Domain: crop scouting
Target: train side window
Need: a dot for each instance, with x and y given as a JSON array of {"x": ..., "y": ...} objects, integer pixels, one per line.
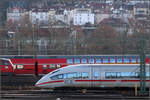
[
  {"x": 44, "y": 66},
  {"x": 119, "y": 60},
  {"x": 65, "y": 76},
  {"x": 112, "y": 60},
  {"x": 77, "y": 61},
  {"x": 69, "y": 61},
  {"x": 58, "y": 66},
  {"x": 98, "y": 61},
  {"x": 126, "y": 60},
  {"x": 52, "y": 66},
  {"x": 111, "y": 75},
  {"x": 147, "y": 74},
  {"x": 138, "y": 60},
  {"x": 91, "y": 60},
  {"x": 133, "y": 60},
  {"x": 95, "y": 74},
  {"x": 105, "y": 60},
  {"x": 85, "y": 75},
  {"x": 83, "y": 60},
  {"x": 79, "y": 75}
]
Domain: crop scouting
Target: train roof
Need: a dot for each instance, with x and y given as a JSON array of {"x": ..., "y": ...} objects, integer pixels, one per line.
[{"x": 65, "y": 56}]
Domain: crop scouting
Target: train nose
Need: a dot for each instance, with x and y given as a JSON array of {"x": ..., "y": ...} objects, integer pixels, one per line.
[{"x": 38, "y": 83}]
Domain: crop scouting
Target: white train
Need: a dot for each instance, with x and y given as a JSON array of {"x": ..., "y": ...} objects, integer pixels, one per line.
[{"x": 94, "y": 75}]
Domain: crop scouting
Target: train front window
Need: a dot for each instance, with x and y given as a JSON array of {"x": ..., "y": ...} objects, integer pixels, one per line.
[
  {"x": 4, "y": 62},
  {"x": 56, "y": 77}
]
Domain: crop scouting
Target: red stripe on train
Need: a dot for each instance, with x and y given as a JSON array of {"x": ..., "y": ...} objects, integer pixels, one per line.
[
  {"x": 109, "y": 80},
  {"x": 59, "y": 81}
]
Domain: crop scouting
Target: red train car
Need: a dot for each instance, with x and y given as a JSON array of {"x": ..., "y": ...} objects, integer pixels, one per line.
[{"x": 29, "y": 64}]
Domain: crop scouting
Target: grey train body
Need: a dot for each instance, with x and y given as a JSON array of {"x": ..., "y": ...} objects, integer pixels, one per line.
[{"x": 94, "y": 75}]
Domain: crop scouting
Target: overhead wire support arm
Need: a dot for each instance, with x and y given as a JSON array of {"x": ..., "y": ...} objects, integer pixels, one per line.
[{"x": 142, "y": 67}]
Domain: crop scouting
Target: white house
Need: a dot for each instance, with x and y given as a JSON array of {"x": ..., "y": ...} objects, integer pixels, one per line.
[
  {"x": 39, "y": 16},
  {"x": 83, "y": 16},
  {"x": 64, "y": 16},
  {"x": 15, "y": 14}
]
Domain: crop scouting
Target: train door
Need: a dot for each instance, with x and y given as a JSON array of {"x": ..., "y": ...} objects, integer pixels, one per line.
[{"x": 95, "y": 77}]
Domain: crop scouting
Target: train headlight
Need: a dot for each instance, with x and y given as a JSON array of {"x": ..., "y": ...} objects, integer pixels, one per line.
[
  {"x": 20, "y": 67},
  {"x": 6, "y": 67}
]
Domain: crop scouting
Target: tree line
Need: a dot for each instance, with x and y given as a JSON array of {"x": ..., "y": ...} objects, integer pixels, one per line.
[{"x": 70, "y": 41}]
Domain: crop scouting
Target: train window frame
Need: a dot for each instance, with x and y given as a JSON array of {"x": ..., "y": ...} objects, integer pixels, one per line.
[
  {"x": 133, "y": 60},
  {"x": 44, "y": 67},
  {"x": 126, "y": 60},
  {"x": 112, "y": 60},
  {"x": 138, "y": 60},
  {"x": 98, "y": 60},
  {"x": 96, "y": 74},
  {"x": 91, "y": 60},
  {"x": 122, "y": 75},
  {"x": 83, "y": 60},
  {"x": 58, "y": 66},
  {"x": 56, "y": 77},
  {"x": 52, "y": 66},
  {"x": 105, "y": 60},
  {"x": 77, "y": 60},
  {"x": 85, "y": 75},
  {"x": 69, "y": 61},
  {"x": 119, "y": 60},
  {"x": 79, "y": 75}
]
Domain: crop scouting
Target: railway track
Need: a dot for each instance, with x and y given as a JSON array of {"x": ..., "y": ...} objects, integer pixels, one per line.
[{"x": 53, "y": 95}]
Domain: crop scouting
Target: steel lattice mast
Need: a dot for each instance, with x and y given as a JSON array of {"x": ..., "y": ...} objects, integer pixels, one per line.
[{"x": 142, "y": 67}]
